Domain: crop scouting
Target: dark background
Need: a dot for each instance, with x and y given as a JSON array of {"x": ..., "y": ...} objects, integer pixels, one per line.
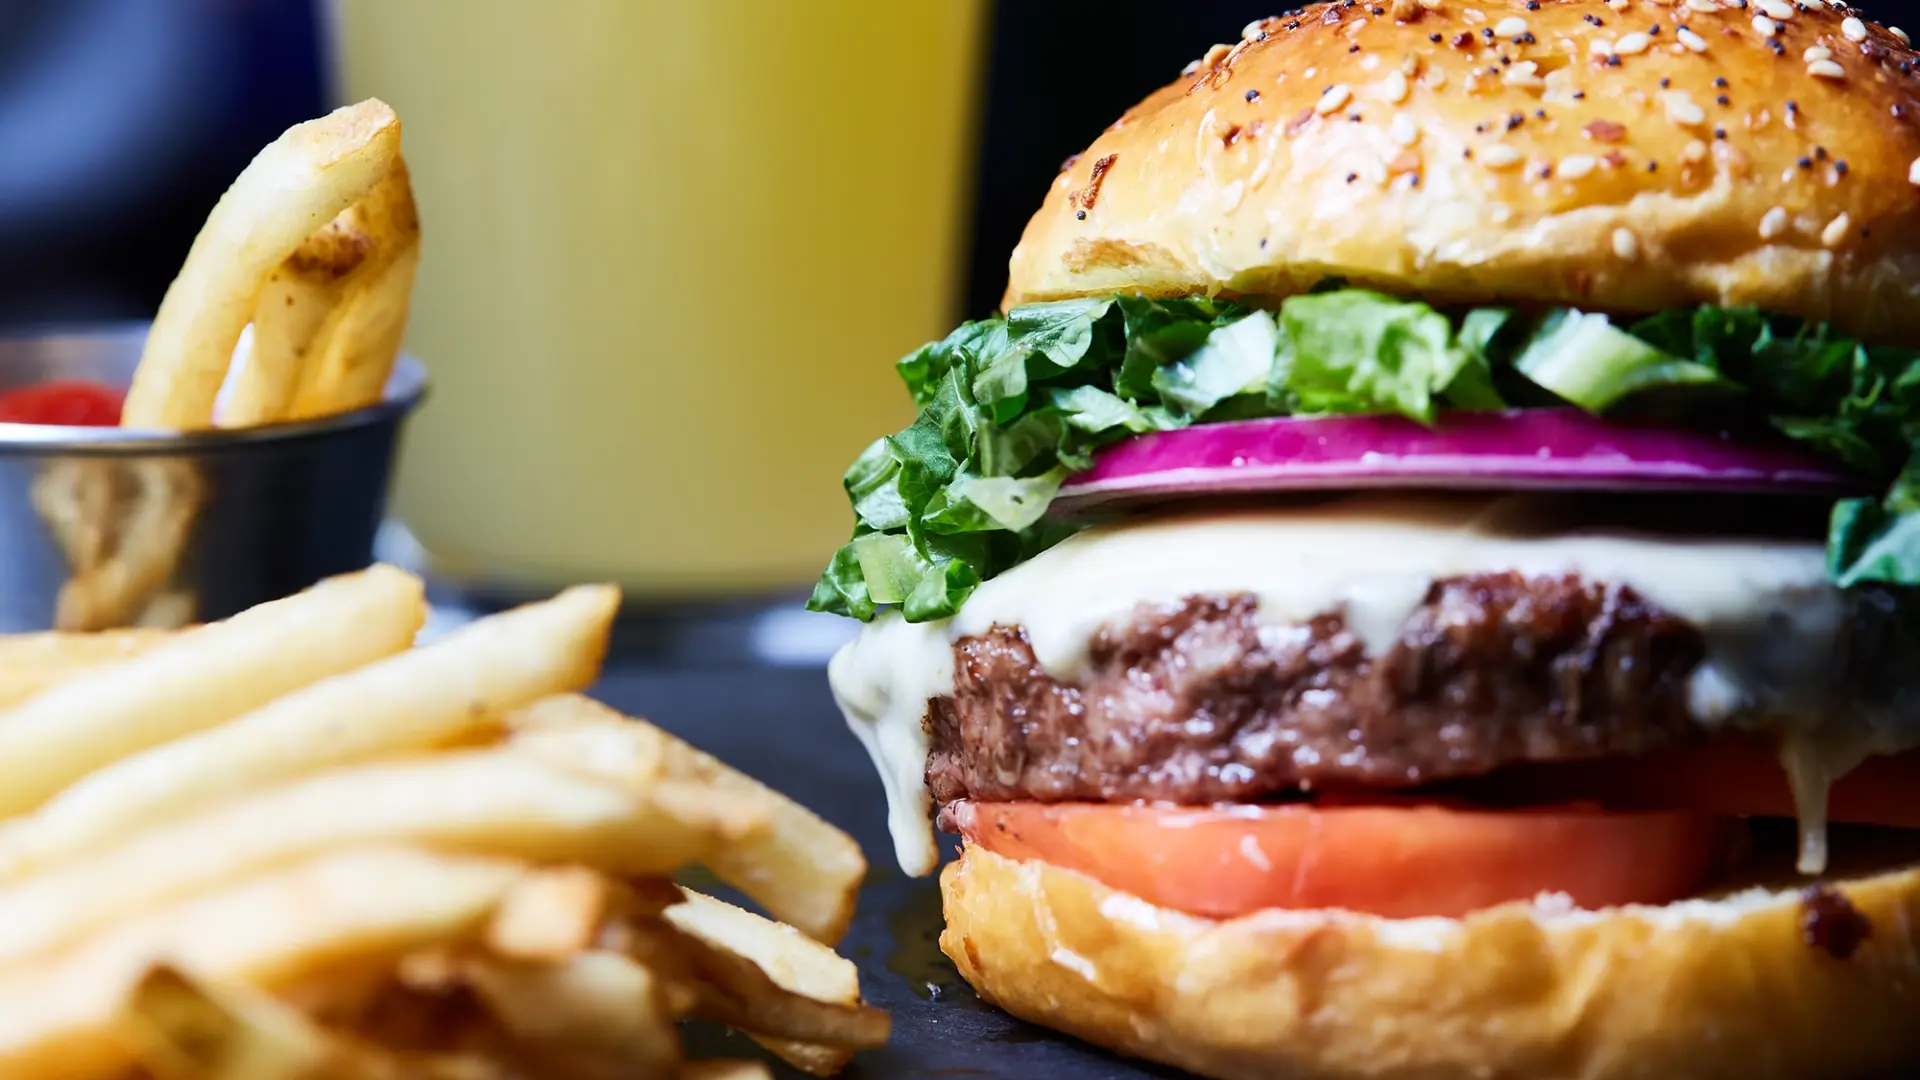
[{"x": 121, "y": 121}]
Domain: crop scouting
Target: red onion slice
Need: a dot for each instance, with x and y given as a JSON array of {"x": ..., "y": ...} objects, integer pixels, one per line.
[{"x": 1521, "y": 449}]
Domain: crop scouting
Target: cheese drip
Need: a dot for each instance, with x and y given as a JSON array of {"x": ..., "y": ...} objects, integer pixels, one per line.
[{"x": 1771, "y": 621}]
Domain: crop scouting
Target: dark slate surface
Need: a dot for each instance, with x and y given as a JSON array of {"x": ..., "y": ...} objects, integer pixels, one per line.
[{"x": 780, "y": 725}]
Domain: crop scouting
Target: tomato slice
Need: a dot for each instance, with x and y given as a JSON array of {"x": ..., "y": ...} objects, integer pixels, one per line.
[
  {"x": 1400, "y": 861},
  {"x": 70, "y": 403}
]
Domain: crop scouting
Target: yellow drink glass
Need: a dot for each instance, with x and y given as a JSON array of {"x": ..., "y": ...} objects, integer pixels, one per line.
[{"x": 669, "y": 251}]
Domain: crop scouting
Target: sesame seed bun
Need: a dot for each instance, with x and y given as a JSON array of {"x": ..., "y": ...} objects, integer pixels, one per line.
[
  {"x": 1702, "y": 989},
  {"x": 1627, "y": 158}
]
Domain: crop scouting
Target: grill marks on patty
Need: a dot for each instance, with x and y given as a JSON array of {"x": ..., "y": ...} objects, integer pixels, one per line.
[{"x": 1198, "y": 702}]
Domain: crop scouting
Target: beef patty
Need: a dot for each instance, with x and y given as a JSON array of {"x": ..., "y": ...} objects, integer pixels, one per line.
[{"x": 1198, "y": 702}]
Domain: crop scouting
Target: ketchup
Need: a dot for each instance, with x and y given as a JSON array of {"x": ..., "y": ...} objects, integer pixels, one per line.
[{"x": 71, "y": 403}]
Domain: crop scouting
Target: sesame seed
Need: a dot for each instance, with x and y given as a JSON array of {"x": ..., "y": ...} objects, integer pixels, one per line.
[
  {"x": 1393, "y": 88},
  {"x": 1816, "y": 52},
  {"x": 1776, "y": 9},
  {"x": 1331, "y": 100},
  {"x": 1692, "y": 40},
  {"x": 1682, "y": 110},
  {"x": 1502, "y": 156},
  {"x": 1575, "y": 166},
  {"x": 1704, "y": 7},
  {"x": 1599, "y": 47},
  {"x": 1617, "y": 5},
  {"x": 1511, "y": 26},
  {"x": 1632, "y": 44},
  {"x": 1402, "y": 130},
  {"x": 1764, "y": 26},
  {"x": 1913, "y": 173},
  {"x": 1901, "y": 34},
  {"x": 1836, "y": 230},
  {"x": 1773, "y": 223},
  {"x": 1826, "y": 69},
  {"x": 1436, "y": 78},
  {"x": 1854, "y": 29},
  {"x": 1625, "y": 244},
  {"x": 1695, "y": 151}
]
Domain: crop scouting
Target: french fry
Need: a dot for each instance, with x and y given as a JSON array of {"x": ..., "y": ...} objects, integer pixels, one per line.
[
  {"x": 593, "y": 1016},
  {"x": 58, "y": 1015},
  {"x": 551, "y": 915},
  {"x": 795, "y": 964},
  {"x": 349, "y": 369},
  {"x": 802, "y": 869},
  {"x": 300, "y": 182},
  {"x": 724, "y": 1070},
  {"x": 33, "y": 663},
  {"x": 485, "y": 802},
  {"x": 201, "y": 678},
  {"x": 413, "y": 700},
  {"x": 303, "y": 299},
  {"x": 182, "y": 1028},
  {"x": 816, "y": 1036},
  {"x": 149, "y": 528}
]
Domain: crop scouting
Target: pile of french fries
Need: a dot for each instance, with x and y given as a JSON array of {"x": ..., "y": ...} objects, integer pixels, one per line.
[
  {"x": 295, "y": 844},
  {"x": 315, "y": 247}
]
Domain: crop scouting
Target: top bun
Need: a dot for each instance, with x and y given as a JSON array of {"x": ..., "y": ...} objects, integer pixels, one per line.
[{"x": 1627, "y": 156}]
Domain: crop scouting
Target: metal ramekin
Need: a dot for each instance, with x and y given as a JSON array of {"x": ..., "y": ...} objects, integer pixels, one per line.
[{"x": 103, "y": 527}]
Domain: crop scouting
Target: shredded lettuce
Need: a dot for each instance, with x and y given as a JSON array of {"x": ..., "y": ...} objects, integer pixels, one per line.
[{"x": 1009, "y": 408}]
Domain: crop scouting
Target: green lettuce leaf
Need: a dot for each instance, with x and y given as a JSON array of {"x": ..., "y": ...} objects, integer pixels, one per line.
[
  {"x": 1010, "y": 408},
  {"x": 1355, "y": 351}
]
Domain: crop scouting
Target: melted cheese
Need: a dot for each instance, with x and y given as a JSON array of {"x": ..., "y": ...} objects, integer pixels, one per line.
[{"x": 1770, "y": 619}]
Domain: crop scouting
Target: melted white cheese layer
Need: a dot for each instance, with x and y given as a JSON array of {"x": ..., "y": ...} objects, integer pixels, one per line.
[{"x": 1768, "y": 615}]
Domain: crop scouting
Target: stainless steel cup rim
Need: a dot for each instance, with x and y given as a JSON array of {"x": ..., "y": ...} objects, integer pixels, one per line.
[{"x": 405, "y": 390}]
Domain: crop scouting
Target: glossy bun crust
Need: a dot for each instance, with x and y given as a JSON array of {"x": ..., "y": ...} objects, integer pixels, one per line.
[
  {"x": 1701, "y": 989},
  {"x": 1627, "y": 158}
]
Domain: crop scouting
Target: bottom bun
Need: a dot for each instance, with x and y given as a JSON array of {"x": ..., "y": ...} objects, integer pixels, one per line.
[{"x": 1700, "y": 988}]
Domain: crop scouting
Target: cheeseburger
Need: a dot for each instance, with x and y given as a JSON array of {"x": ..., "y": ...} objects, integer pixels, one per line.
[{"x": 1419, "y": 579}]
